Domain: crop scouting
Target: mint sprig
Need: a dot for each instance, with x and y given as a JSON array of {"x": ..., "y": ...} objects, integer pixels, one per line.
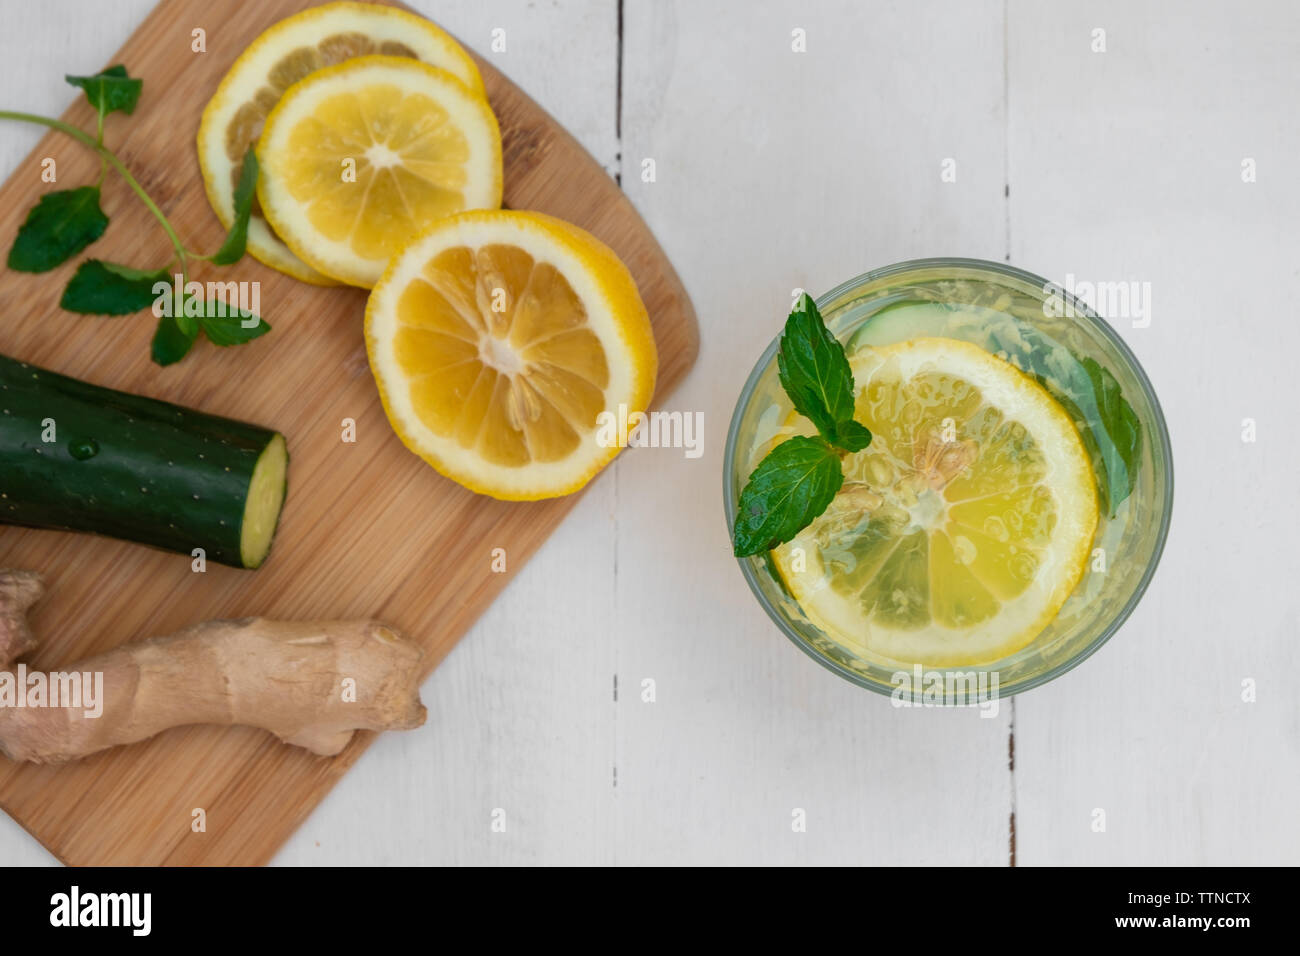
[
  {"x": 798, "y": 479},
  {"x": 64, "y": 222}
]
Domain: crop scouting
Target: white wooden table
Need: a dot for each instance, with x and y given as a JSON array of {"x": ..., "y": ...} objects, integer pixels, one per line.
[{"x": 777, "y": 169}]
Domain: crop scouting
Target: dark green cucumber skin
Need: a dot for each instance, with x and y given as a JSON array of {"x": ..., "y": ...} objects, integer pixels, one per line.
[{"x": 163, "y": 475}]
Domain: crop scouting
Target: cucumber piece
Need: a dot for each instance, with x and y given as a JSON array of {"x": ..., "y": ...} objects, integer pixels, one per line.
[
  {"x": 262, "y": 503},
  {"x": 136, "y": 468},
  {"x": 899, "y": 321}
]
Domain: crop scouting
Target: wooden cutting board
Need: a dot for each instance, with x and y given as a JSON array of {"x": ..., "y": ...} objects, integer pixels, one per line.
[{"x": 368, "y": 530}]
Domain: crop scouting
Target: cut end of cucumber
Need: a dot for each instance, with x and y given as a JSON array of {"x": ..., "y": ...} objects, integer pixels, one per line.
[{"x": 265, "y": 499}]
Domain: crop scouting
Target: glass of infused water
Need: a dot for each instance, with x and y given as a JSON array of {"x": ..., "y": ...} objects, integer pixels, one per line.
[{"x": 1011, "y": 507}]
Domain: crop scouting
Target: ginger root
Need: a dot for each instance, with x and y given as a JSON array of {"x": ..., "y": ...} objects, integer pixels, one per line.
[
  {"x": 19, "y": 590},
  {"x": 310, "y": 684}
]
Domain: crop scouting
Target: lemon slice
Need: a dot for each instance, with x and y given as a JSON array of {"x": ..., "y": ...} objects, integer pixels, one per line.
[
  {"x": 965, "y": 524},
  {"x": 511, "y": 350},
  {"x": 284, "y": 54},
  {"x": 360, "y": 157}
]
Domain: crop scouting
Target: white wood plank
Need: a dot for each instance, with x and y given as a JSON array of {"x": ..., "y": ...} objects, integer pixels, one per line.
[
  {"x": 1127, "y": 165},
  {"x": 777, "y": 169},
  {"x": 43, "y": 42}
]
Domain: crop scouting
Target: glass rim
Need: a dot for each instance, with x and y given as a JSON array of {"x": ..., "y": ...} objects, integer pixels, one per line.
[{"x": 1082, "y": 312}]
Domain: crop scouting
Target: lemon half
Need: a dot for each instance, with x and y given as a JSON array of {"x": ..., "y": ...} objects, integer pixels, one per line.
[
  {"x": 278, "y": 58},
  {"x": 963, "y": 527},
  {"x": 511, "y": 351}
]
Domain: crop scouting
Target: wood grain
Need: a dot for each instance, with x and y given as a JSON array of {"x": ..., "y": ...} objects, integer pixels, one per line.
[{"x": 368, "y": 529}]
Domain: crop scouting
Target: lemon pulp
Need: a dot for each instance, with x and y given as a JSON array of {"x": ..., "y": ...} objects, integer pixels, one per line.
[
  {"x": 412, "y": 165},
  {"x": 516, "y": 384},
  {"x": 503, "y": 344},
  {"x": 359, "y": 158}
]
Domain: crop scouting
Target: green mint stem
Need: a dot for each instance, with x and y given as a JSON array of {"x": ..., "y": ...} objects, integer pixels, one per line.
[
  {"x": 106, "y": 155},
  {"x": 99, "y": 141}
]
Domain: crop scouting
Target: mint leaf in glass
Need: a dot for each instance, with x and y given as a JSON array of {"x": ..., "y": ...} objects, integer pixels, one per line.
[
  {"x": 851, "y": 435},
  {"x": 814, "y": 371},
  {"x": 1124, "y": 428},
  {"x": 789, "y": 488}
]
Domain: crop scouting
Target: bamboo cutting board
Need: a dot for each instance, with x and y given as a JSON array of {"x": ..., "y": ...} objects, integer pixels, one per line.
[{"x": 368, "y": 530}]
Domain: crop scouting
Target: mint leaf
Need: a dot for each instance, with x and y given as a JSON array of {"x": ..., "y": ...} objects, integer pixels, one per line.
[
  {"x": 1110, "y": 428},
  {"x": 106, "y": 288},
  {"x": 226, "y": 325},
  {"x": 851, "y": 435},
  {"x": 1124, "y": 428},
  {"x": 790, "y": 487},
  {"x": 110, "y": 90},
  {"x": 815, "y": 372},
  {"x": 170, "y": 342},
  {"x": 59, "y": 226},
  {"x": 232, "y": 250},
  {"x": 187, "y": 323}
]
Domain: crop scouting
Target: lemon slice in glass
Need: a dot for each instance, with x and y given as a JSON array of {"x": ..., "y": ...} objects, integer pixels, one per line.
[
  {"x": 965, "y": 524},
  {"x": 358, "y": 158},
  {"x": 512, "y": 351}
]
